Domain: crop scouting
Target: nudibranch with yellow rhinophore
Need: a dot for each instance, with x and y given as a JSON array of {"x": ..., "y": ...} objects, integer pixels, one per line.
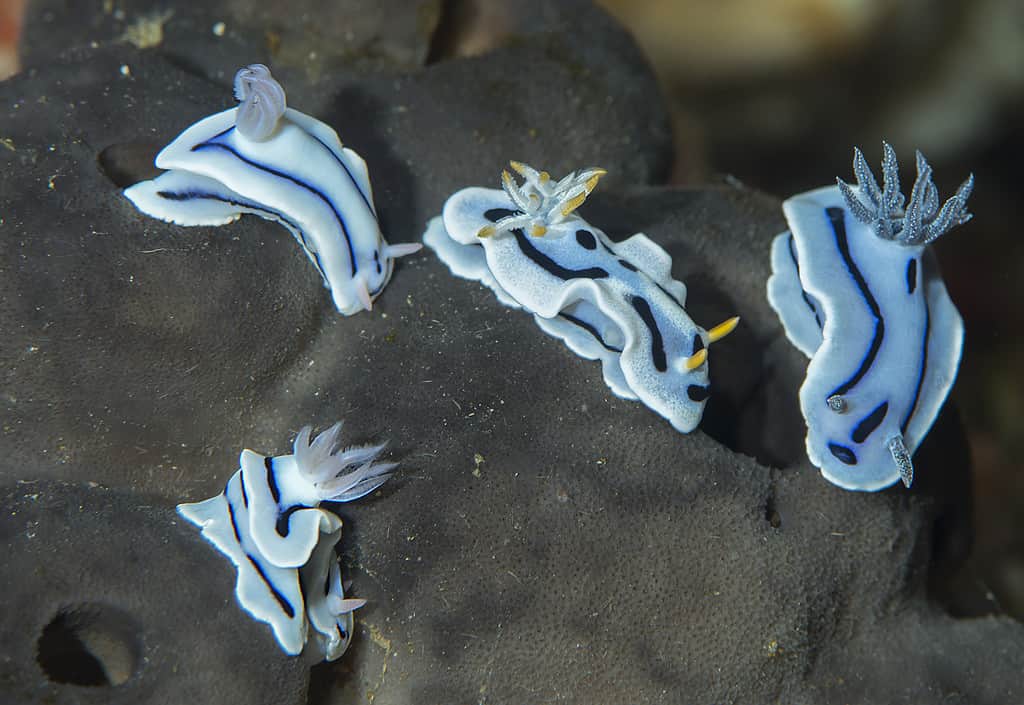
[
  {"x": 268, "y": 522},
  {"x": 860, "y": 294},
  {"x": 611, "y": 301},
  {"x": 264, "y": 158}
]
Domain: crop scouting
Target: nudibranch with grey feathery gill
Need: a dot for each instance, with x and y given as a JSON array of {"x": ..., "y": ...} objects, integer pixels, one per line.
[
  {"x": 268, "y": 522},
  {"x": 611, "y": 301},
  {"x": 264, "y": 158},
  {"x": 859, "y": 292}
]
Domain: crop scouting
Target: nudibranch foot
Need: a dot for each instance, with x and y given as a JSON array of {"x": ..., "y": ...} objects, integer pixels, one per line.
[
  {"x": 611, "y": 301},
  {"x": 268, "y": 522},
  {"x": 859, "y": 293},
  {"x": 272, "y": 161}
]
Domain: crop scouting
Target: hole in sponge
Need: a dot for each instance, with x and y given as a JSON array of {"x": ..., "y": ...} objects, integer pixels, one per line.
[
  {"x": 90, "y": 645},
  {"x": 128, "y": 163}
]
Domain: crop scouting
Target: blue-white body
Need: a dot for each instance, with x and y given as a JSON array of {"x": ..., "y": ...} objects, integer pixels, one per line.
[
  {"x": 295, "y": 172},
  {"x": 614, "y": 302},
  {"x": 268, "y": 523},
  {"x": 883, "y": 336}
]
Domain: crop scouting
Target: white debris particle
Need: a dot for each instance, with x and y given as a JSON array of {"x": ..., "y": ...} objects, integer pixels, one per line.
[{"x": 148, "y": 30}]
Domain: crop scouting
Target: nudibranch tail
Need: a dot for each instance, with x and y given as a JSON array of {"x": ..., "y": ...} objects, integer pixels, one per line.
[
  {"x": 320, "y": 463},
  {"x": 921, "y": 221},
  {"x": 363, "y": 292},
  {"x": 402, "y": 249},
  {"x": 341, "y": 605},
  {"x": 262, "y": 102}
]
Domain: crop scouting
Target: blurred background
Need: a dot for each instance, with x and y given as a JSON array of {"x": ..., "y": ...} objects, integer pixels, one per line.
[
  {"x": 775, "y": 93},
  {"x": 10, "y": 23}
]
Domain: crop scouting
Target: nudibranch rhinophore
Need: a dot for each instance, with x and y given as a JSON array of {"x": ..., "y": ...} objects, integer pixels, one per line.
[
  {"x": 611, "y": 301},
  {"x": 269, "y": 523},
  {"x": 860, "y": 294},
  {"x": 275, "y": 162}
]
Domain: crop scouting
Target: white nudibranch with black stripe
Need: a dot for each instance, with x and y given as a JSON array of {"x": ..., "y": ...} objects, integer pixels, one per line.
[
  {"x": 858, "y": 293},
  {"x": 282, "y": 165},
  {"x": 269, "y": 523},
  {"x": 611, "y": 301}
]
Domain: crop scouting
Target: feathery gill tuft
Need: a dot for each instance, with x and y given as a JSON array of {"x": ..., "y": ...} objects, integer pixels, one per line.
[
  {"x": 320, "y": 463},
  {"x": 921, "y": 221},
  {"x": 542, "y": 202}
]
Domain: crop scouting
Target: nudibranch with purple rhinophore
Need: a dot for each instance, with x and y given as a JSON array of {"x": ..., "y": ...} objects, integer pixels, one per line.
[
  {"x": 860, "y": 294},
  {"x": 264, "y": 158},
  {"x": 611, "y": 301},
  {"x": 268, "y": 522}
]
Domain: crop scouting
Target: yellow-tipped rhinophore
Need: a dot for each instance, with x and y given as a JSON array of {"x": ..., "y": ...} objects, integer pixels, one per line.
[
  {"x": 723, "y": 329},
  {"x": 519, "y": 167},
  {"x": 545, "y": 177},
  {"x": 538, "y": 230},
  {"x": 695, "y": 361},
  {"x": 486, "y": 231},
  {"x": 506, "y": 178}
]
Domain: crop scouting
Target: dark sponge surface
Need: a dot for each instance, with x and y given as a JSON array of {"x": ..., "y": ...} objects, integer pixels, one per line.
[
  {"x": 109, "y": 598},
  {"x": 215, "y": 37},
  {"x": 543, "y": 540},
  {"x": 124, "y": 331}
]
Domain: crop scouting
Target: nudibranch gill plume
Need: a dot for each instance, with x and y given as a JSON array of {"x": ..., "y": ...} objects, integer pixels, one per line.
[
  {"x": 611, "y": 301},
  {"x": 275, "y": 162},
  {"x": 268, "y": 522},
  {"x": 860, "y": 294}
]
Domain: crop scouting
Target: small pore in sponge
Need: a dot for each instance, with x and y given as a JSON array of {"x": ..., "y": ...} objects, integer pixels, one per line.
[
  {"x": 89, "y": 645},
  {"x": 128, "y": 163}
]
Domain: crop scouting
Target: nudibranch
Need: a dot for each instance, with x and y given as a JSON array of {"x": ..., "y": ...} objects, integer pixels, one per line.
[
  {"x": 264, "y": 158},
  {"x": 611, "y": 301},
  {"x": 860, "y": 294},
  {"x": 268, "y": 522}
]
